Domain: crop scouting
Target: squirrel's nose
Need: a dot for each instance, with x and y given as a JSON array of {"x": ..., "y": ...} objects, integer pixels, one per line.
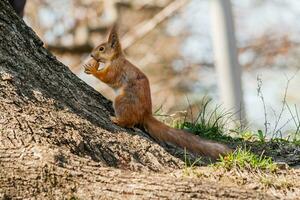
[{"x": 93, "y": 56}]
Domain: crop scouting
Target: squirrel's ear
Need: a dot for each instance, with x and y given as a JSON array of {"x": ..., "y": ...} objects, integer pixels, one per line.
[{"x": 113, "y": 38}]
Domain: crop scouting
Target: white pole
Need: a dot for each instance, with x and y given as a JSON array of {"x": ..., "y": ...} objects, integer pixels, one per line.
[{"x": 226, "y": 60}]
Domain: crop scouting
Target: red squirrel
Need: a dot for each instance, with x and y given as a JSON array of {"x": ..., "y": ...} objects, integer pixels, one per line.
[{"x": 133, "y": 105}]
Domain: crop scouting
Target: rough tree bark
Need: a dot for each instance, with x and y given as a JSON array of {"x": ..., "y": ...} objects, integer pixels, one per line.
[{"x": 56, "y": 140}]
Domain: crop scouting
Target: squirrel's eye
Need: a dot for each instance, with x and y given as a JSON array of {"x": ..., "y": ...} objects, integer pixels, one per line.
[{"x": 101, "y": 49}]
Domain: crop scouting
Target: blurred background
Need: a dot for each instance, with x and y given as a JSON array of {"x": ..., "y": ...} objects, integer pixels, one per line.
[{"x": 171, "y": 41}]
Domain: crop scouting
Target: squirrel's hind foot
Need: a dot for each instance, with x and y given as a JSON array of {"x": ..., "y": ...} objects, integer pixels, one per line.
[{"x": 121, "y": 123}]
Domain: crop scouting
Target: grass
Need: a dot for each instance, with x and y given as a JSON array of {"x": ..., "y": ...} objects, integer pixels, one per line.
[
  {"x": 209, "y": 124},
  {"x": 212, "y": 132},
  {"x": 296, "y": 142},
  {"x": 244, "y": 159},
  {"x": 189, "y": 165},
  {"x": 271, "y": 181},
  {"x": 212, "y": 125},
  {"x": 252, "y": 163}
]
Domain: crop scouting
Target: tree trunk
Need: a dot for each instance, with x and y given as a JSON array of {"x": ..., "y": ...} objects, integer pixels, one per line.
[{"x": 56, "y": 139}]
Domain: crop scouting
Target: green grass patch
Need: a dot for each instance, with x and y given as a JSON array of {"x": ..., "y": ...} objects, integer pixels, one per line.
[
  {"x": 244, "y": 159},
  {"x": 210, "y": 123},
  {"x": 296, "y": 142},
  {"x": 208, "y": 131}
]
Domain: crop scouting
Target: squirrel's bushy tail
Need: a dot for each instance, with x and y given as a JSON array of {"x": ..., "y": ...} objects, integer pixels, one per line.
[{"x": 183, "y": 139}]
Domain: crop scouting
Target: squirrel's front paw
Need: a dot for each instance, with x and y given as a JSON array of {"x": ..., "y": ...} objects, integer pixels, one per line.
[
  {"x": 91, "y": 66},
  {"x": 88, "y": 69}
]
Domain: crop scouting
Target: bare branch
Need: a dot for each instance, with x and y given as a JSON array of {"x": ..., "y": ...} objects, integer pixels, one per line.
[{"x": 145, "y": 27}]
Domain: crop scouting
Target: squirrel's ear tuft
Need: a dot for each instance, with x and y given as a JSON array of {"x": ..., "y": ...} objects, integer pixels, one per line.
[{"x": 113, "y": 38}]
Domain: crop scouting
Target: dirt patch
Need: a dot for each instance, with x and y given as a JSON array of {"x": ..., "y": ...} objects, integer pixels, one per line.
[{"x": 284, "y": 184}]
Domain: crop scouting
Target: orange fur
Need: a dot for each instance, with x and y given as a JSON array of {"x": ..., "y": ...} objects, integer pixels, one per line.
[{"x": 133, "y": 104}]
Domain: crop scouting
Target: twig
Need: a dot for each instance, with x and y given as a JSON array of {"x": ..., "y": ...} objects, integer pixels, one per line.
[
  {"x": 145, "y": 27},
  {"x": 191, "y": 109},
  {"x": 297, "y": 115},
  {"x": 260, "y": 94},
  {"x": 284, "y": 103}
]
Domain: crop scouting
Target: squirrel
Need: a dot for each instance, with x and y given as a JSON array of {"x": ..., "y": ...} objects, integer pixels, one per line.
[{"x": 133, "y": 105}]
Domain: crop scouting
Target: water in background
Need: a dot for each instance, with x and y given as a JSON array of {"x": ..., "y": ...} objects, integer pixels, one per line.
[{"x": 253, "y": 18}]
